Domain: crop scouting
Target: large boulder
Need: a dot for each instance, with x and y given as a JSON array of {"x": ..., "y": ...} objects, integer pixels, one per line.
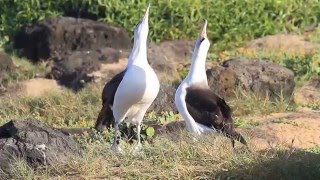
[
  {"x": 222, "y": 80},
  {"x": 259, "y": 76},
  {"x": 166, "y": 57},
  {"x": 59, "y": 36},
  {"x": 77, "y": 68},
  {"x": 35, "y": 143},
  {"x": 73, "y": 70}
]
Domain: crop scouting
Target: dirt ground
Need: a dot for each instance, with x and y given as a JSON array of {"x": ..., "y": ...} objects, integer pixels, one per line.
[{"x": 294, "y": 129}]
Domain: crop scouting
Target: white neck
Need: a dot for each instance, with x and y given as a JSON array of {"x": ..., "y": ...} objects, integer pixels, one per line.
[
  {"x": 197, "y": 73},
  {"x": 138, "y": 55}
]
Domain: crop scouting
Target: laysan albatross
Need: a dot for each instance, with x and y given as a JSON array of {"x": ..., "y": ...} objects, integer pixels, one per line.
[
  {"x": 203, "y": 110},
  {"x": 130, "y": 93}
]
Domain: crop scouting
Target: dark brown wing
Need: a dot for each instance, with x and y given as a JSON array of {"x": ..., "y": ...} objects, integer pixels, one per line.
[
  {"x": 105, "y": 118},
  {"x": 209, "y": 109},
  {"x": 204, "y": 106},
  {"x": 111, "y": 87}
]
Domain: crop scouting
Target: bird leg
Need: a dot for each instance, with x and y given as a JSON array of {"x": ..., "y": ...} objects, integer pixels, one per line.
[
  {"x": 115, "y": 146},
  {"x": 137, "y": 149}
]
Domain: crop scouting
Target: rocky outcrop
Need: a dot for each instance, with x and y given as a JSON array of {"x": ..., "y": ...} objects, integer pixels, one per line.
[
  {"x": 221, "y": 80},
  {"x": 73, "y": 70},
  {"x": 78, "y": 47},
  {"x": 59, "y": 36},
  {"x": 166, "y": 57},
  {"x": 259, "y": 76},
  {"x": 80, "y": 67},
  {"x": 35, "y": 143}
]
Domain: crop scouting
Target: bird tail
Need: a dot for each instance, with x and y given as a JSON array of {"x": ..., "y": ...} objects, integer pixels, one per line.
[
  {"x": 237, "y": 136},
  {"x": 105, "y": 119},
  {"x": 234, "y": 135}
]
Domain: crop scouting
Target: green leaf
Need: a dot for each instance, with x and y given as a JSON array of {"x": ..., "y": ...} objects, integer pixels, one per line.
[{"x": 150, "y": 132}]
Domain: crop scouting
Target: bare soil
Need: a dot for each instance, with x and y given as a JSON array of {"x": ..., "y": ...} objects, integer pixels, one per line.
[
  {"x": 295, "y": 129},
  {"x": 284, "y": 42}
]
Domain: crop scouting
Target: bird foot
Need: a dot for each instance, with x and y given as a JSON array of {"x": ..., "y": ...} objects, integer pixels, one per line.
[
  {"x": 116, "y": 149},
  {"x": 138, "y": 150}
]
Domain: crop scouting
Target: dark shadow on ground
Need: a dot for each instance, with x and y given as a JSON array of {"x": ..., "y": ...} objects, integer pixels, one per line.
[{"x": 288, "y": 164}]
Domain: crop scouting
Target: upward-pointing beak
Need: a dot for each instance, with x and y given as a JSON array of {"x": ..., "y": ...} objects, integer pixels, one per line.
[
  {"x": 203, "y": 33},
  {"x": 146, "y": 15}
]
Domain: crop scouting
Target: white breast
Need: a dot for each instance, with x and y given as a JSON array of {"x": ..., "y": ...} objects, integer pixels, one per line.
[{"x": 136, "y": 92}]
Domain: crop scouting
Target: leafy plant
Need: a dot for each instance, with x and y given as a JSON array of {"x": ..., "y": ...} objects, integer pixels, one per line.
[{"x": 230, "y": 22}]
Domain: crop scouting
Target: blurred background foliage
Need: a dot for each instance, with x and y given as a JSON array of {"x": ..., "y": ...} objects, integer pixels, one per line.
[{"x": 230, "y": 22}]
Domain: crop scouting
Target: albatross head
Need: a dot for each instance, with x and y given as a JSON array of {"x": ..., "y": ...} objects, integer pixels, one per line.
[
  {"x": 142, "y": 28},
  {"x": 202, "y": 44}
]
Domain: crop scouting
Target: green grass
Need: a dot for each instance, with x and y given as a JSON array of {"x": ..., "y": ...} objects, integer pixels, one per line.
[
  {"x": 210, "y": 158},
  {"x": 24, "y": 70},
  {"x": 242, "y": 123},
  {"x": 57, "y": 109},
  {"x": 248, "y": 103},
  {"x": 165, "y": 157}
]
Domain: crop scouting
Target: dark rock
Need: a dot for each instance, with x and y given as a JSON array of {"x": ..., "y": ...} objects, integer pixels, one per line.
[
  {"x": 165, "y": 100},
  {"x": 76, "y": 69},
  {"x": 166, "y": 57},
  {"x": 61, "y": 35},
  {"x": 73, "y": 69},
  {"x": 222, "y": 80},
  {"x": 259, "y": 76},
  {"x": 35, "y": 143}
]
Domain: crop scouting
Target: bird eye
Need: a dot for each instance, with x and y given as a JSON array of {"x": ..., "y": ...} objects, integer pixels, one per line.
[
  {"x": 202, "y": 39},
  {"x": 138, "y": 24}
]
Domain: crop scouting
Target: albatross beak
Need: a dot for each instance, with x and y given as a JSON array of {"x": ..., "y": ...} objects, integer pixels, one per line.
[
  {"x": 203, "y": 33},
  {"x": 146, "y": 15}
]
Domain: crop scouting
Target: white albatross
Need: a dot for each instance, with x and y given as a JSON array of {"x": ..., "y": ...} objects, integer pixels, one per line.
[
  {"x": 130, "y": 93},
  {"x": 203, "y": 110}
]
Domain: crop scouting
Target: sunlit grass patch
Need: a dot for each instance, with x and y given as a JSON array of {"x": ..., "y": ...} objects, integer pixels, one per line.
[
  {"x": 57, "y": 109},
  {"x": 23, "y": 70},
  {"x": 211, "y": 157},
  {"x": 248, "y": 103},
  {"x": 242, "y": 123}
]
